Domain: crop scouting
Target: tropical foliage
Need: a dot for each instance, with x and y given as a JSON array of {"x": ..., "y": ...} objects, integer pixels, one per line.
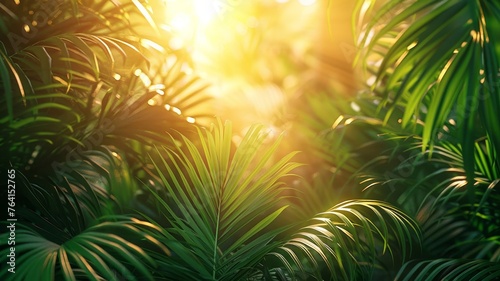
[{"x": 122, "y": 173}]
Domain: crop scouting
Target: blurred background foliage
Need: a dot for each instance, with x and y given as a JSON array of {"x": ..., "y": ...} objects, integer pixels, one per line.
[{"x": 113, "y": 118}]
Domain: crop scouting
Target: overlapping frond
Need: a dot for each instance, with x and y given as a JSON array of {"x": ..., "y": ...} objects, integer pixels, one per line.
[
  {"x": 450, "y": 269},
  {"x": 100, "y": 252},
  {"x": 348, "y": 239},
  {"x": 440, "y": 60},
  {"x": 66, "y": 235},
  {"x": 80, "y": 80}
]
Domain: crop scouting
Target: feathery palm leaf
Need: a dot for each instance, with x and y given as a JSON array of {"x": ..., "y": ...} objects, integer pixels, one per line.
[
  {"x": 66, "y": 235},
  {"x": 348, "y": 239},
  {"x": 222, "y": 202},
  {"x": 450, "y": 269},
  {"x": 219, "y": 209},
  {"x": 76, "y": 89},
  {"x": 449, "y": 67},
  {"x": 453, "y": 225},
  {"x": 101, "y": 252}
]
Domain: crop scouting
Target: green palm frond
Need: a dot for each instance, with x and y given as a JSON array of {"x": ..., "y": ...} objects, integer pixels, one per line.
[
  {"x": 453, "y": 224},
  {"x": 67, "y": 41},
  {"x": 316, "y": 119},
  {"x": 449, "y": 179},
  {"x": 219, "y": 208},
  {"x": 179, "y": 89},
  {"x": 219, "y": 204},
  {"x": 362, "y": 150},
  {"x": 451, "y": 233},
  {"x": 442, "y": 63},
  {"x": 63, "y": 233},
  {"x": 102, "y": 251},
  {"x": 50, "y": 80},
  {"x": 82, "y": 82},
  {"x": 348, "y": 239},
  {"x": 450, "y": 269}
]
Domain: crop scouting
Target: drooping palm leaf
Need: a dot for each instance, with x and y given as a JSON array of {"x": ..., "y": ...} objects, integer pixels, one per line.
[
  {"x": 81, "y": 82},
  {"x": 443, "y": 57}
]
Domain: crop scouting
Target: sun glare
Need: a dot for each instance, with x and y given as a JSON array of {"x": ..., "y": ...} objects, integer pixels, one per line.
[
  {"x": 246, "y": 50},
  {"x": 189, "y": 18},
  {"x": 204, "y": 11}
]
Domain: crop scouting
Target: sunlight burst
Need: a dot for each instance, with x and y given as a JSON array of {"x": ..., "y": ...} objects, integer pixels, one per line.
[{"x": 189, "y": 17}]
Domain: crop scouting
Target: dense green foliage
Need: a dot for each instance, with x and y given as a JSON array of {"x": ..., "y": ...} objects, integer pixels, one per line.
[{"x": 115, "y": 182}]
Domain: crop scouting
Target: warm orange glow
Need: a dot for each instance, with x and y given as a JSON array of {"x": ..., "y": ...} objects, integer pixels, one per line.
[
  {"x": 256, "y": 54},
  {"x": 189, "y": 19}
]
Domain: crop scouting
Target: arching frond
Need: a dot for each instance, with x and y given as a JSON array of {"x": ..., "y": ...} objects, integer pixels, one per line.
[
  {"x": 100, "y": 252},
  {"x": 347, "y": 240},
  {"x": 65, "y": 234},
  {"x": 442, "y": 62},
  {"x": 450, "y": 269}
]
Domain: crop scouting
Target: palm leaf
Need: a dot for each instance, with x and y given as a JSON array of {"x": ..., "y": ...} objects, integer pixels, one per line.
[
  {"x": 425, "y": 65},
  {"x": 69, "y": 96},
  {"x": 103, "y": 251},
  {"x": 450, "y": 269},
  {"x": 222, "y": 202},
  {"x": 347, "y": 240},
  {"x": 63, "y": 232}
]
